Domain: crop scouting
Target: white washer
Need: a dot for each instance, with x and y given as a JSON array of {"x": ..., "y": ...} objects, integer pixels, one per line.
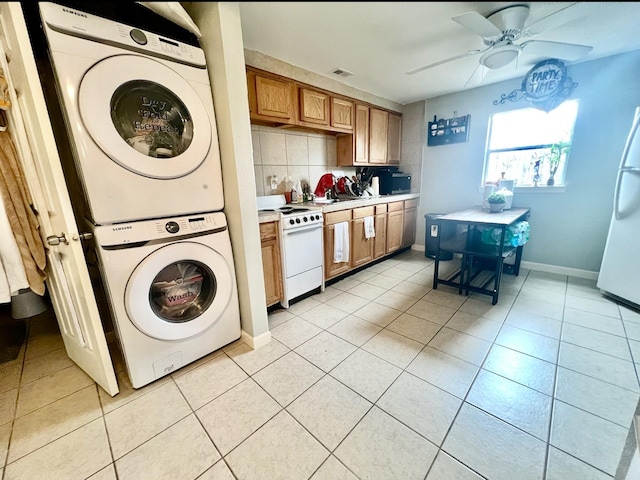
[
  {"x": 139, "y": 111},
  {"x": 172, "y": 290}
]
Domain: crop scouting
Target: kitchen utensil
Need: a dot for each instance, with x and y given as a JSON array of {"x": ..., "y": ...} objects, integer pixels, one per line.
[{"x": 340, "y": 184}]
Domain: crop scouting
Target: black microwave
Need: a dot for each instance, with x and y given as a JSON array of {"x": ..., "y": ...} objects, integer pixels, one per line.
[{"x": 393, "y": 182}]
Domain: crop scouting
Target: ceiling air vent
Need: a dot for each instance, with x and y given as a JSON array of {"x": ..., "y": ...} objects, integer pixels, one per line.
[{"x": 342, "y": 72}]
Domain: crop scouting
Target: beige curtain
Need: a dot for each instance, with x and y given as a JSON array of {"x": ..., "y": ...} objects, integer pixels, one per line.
[{"x": 22, "y": 219}]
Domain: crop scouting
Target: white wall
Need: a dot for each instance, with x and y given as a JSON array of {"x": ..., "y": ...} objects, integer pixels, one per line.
[
  {"x": 222, "y": 43},
  {"x": 568, "y": 228}
]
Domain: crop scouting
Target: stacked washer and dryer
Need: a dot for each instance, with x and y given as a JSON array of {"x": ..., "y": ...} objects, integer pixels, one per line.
[{"x": 139, "y": 113}]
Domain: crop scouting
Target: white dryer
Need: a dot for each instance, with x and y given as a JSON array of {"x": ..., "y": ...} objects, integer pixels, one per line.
[
  {"x": 172, "y": 290},
  {"x": 139, "y": 111}
]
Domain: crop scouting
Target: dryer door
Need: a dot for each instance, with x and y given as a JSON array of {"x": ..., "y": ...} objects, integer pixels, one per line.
[
  {"x": 179, "y": 291},
  {"x": 145, "y": 116}
]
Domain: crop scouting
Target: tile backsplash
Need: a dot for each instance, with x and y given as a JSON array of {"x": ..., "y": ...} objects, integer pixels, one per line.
[{"x": 304, "y": 156}]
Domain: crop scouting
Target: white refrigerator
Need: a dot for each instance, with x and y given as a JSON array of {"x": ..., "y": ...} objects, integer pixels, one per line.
[{"x": 620, "y": 269}]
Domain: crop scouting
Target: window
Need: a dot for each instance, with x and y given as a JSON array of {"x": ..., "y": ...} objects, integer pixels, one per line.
[{"x": 530, "y": 146}]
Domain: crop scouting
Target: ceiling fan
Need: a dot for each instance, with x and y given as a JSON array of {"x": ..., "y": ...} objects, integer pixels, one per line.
[{"x": 502, "y": 28}]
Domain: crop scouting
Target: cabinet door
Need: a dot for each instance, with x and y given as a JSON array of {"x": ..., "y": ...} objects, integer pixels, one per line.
[
  {"x": 409, "y": 229},
  {"x": 274, "y": 99},
  {"x": 380, "y": 240},
  {"x": 361, "y": 135},
  {"x": 314, "y": 107},
  {"x": 271, "y": 262},
  {"x": 332, "y": 269},
  {"x": 379, "y": 124},
  {"x": 394, "y": 230},
  {"x": 361, "y": 247},
  {"x": 394, "y": 142},
  {"x": 272, "y": 271},
  {"x": 341, "y": 113}
]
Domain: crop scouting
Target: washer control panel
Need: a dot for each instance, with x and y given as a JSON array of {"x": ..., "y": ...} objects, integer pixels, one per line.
[{"x": 158, "y": 229}]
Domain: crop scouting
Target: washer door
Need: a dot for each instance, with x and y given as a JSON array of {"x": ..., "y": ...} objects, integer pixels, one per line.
[
  {"x": 144, "y": 116},
  {"x": 178, "y": 291}
]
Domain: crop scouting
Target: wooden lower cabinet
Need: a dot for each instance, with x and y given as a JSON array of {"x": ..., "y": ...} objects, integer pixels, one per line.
[
  {"x": 395, "y": 226},
  {"x": 332, "y": 269},
  {"x": 361, "y": 246},
  {"x": 271, "y": 262},
  {"x": 380, "y": 240}
]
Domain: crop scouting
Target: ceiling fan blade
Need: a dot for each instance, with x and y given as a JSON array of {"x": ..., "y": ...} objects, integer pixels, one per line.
[
  {"x": 563, "y": 51},
  {"x": 479, "y": 24},
  {"x": 565, "y": 15},
  {"x": 446, "y": 60}
]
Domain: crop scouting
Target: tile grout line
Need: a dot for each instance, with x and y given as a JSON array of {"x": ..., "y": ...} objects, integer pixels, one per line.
[{"x": 554, "y": 388}]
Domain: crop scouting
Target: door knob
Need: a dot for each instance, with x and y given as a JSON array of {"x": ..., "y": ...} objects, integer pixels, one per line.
[
  {"x": 54, "y": 240},
  {"x": 82, "y": 236}
]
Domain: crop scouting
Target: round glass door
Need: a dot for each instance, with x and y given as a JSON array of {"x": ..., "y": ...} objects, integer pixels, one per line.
[
  {"x": 182, "y": 290},
  {"x": 145, "y": 116},
  {"x": 151, "y": 119},
  {"x": 178, "y": 291}
]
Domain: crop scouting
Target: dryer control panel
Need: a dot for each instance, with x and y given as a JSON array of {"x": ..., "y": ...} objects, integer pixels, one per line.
[
  {"x": 71, "y": 21},
  {"x": 122, "y": 234}
]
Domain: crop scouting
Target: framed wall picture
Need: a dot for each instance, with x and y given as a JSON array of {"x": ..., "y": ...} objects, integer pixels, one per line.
[{"x": 449, "y": 130}]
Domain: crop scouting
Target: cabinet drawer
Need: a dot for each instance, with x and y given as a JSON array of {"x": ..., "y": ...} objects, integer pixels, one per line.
[
  {"x": 395, "y": 206},
  {"x": 268, "y": 230},
  {"x": 363, "y": 212},
  {"x": 381, "y": 209},
  {"x": 411, "y": 203},
  {"x": 337, "y": 217}
]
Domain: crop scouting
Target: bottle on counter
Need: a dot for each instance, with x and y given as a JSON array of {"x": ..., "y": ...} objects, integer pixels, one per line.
[
  {"x": 288, "y": 189},
  {"x": 296, "y": 193}
]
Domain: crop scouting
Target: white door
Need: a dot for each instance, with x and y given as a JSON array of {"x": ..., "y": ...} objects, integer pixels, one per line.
[{"x": 68, "y": 281}]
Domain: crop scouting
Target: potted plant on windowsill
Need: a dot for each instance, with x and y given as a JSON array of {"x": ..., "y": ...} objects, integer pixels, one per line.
[
  {"x": 496, "y": 202},
  {"x": 556, "y": 153}
]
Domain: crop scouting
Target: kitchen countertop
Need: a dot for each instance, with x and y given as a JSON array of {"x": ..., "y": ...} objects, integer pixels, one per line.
[
  {"x": 265, "y": 217},
  {"x": 365, "y": 202}
]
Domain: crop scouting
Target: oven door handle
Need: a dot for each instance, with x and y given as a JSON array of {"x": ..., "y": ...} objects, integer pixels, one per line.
[{"x": 302, "y": 229}]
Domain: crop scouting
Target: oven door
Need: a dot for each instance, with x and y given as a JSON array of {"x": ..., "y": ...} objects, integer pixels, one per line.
[{"x": 302, "y": 249}]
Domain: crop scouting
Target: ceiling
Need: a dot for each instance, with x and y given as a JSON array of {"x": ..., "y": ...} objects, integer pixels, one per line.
[{"x": 380, "y": 41}]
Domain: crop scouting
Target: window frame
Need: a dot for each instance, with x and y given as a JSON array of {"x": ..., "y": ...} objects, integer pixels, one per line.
[{"x": 542, "y": 184}]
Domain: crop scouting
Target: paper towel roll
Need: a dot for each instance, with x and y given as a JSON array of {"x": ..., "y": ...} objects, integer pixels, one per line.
[{"x": 375, "y": 184}]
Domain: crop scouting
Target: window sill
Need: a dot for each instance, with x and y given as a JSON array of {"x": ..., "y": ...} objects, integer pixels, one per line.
[
  {"x": 541, "y": 189},
  {"x": 537, "y": 189}
]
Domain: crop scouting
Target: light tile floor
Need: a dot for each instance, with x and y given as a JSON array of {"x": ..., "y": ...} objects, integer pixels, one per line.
[{"x": 378, "y": 377}]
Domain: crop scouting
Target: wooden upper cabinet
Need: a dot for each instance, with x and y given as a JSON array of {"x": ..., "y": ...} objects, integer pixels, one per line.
[
  {"x": 361, "y": 135},
  {"x": 394, "y": 141},
  {"x": 378, "y": 133},
  {"x": 271, "y": 99},
  {"x": 342, "y": 114},
  {"x": 314, "y": 107}
]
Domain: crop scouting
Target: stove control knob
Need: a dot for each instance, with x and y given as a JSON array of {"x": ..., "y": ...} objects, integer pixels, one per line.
[
  {"x": 317, "y": 217},
  {"x": 297, "y": 220},
  {"x": 291, "y": 221},
  {"x": 305, "y": 219}
]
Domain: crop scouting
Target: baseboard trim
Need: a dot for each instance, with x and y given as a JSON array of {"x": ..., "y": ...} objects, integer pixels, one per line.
[
  {"x": 256, "y": 342},
  {"x": 574, "y": 272},
  {"x": 418, "y": 247}
]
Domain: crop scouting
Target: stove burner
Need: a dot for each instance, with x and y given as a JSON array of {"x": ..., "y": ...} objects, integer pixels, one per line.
[{"x": 288, "y": 210}]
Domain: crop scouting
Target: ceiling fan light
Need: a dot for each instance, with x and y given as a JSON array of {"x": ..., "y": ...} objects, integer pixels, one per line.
[{"x": 500, "y": 56}]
